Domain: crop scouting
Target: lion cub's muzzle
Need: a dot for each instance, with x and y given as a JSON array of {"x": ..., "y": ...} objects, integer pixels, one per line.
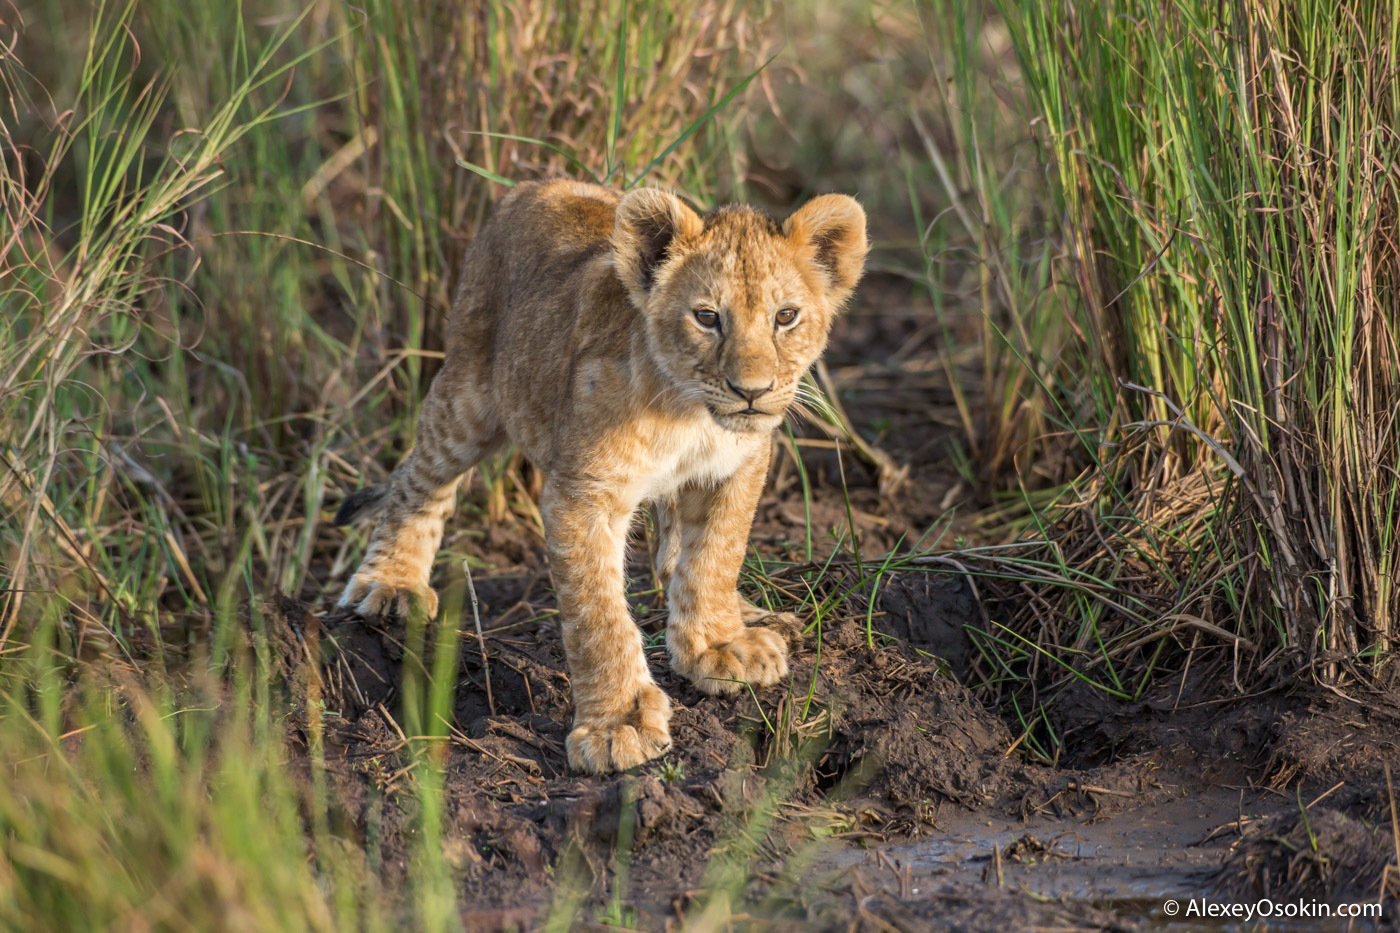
[{"x": 760, "y": 409}]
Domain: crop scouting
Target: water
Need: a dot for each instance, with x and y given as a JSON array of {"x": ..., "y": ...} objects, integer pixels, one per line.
[{"x": 1137, "y": 863}]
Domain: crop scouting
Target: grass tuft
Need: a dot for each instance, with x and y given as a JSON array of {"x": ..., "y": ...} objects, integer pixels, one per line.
[{"x": 1210, "y": 335}]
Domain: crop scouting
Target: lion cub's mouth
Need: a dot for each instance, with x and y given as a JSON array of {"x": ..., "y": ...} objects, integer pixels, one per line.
[{"x": 745, "y": 420}]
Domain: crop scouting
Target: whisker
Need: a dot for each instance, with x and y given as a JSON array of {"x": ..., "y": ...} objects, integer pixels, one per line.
[
  {"x": 685, "y": 390},
  {"x": 797, "y": 408}
]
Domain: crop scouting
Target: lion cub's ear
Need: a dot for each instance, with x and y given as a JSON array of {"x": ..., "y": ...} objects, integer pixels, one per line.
[
  {"x": 833, "y": 226},
  {"x": 649, "y": 223}
]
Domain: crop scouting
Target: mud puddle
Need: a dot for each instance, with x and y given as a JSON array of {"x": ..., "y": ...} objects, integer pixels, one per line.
[
  {"x": 1154, "y": 852},
  {"x": 1140, "y": 868}
]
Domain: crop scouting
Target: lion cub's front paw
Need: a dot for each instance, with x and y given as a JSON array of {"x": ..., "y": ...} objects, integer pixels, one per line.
[
  {"x": 624, "y": 740},
  {"x": 756, "y": 656},
  {"x": 373, "y": 598}
]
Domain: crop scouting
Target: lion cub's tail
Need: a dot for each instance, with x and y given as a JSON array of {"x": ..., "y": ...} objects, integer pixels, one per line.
[{"x": 362, "y": 503}]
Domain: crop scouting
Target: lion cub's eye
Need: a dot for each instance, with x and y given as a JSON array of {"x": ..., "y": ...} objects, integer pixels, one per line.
[
  {"x": 708, "y": 317},
  {"x": 786, "y": 316}
]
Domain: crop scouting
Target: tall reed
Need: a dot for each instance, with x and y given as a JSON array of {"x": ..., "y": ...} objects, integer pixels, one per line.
[{"x": 1226, "y": 181}]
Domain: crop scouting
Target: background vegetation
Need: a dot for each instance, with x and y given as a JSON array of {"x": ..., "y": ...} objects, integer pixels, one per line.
[{"x": 1154, "y": 245}]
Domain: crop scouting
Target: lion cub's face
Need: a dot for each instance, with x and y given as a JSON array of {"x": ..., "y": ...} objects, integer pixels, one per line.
[{"x": 738, "y": 307}]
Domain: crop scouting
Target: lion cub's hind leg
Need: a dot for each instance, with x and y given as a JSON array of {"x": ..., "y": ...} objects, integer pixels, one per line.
[{"x": 413, "y": 506}]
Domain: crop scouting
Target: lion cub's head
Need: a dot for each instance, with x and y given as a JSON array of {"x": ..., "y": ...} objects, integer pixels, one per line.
[{"x": 738, "y": 307}]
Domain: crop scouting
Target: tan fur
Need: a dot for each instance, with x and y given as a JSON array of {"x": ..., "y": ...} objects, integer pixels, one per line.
[{"x": 573, "y": 335}]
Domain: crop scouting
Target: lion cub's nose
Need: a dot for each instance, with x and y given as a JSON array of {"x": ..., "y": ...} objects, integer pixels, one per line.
[{"x": 749, "y": 394}]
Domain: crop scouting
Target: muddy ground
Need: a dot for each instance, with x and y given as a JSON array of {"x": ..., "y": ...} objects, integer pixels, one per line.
[
  {"x": 873, "y": 792},
  {"x": 895, "y": 801}
]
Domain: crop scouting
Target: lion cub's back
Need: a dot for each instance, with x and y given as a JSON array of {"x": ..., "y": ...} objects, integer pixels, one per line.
[
  {"x": 559, "y": 213},
  {"x": 543, "y": 231},
  {"x": 533, "y": 246}
]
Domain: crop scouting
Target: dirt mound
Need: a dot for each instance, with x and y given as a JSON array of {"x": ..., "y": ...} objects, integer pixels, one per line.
[
  {"x": 1320, "y": 854},
  {"x": 1328, "y": 739},
  {"x": 928, "y": 611},
  {"x": 904, "y": 729}
]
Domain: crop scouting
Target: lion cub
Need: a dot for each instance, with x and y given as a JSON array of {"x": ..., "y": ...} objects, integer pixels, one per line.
[{"x": 637, "y": 353}]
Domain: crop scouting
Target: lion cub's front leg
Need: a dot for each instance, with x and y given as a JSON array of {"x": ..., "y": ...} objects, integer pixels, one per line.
[
  {"x": 708, "y": 640},
  {"x": 620, "y": 715}
]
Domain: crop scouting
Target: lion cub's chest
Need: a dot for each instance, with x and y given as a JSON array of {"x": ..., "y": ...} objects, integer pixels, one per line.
[{"x": 698, "y": 452}]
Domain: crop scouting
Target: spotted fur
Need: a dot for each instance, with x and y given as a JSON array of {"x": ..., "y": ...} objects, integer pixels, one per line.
[{"x": 575, "y": 335}]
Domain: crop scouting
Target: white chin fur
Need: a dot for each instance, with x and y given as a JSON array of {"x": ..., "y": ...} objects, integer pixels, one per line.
[{"x": 747, "y": 424}]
